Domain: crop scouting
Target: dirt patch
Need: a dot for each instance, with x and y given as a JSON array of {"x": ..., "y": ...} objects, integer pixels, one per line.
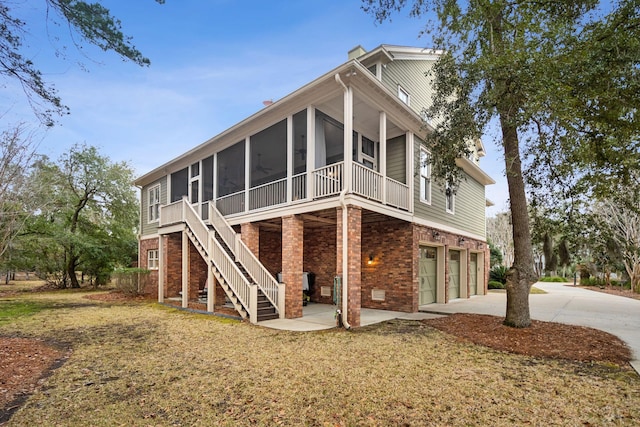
[
  {"x": 541, "y": 339},
  {"x": 23, "y": 363},
  {"x": 612, "y": 290}
]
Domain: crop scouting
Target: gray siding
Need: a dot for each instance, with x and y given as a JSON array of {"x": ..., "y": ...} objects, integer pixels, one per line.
[
  {"x": 469, "y": 204},
  {"x": 396, "y": 159},
  {"x": 410, "y": 74},
  {"x": 151, "y": 228}
]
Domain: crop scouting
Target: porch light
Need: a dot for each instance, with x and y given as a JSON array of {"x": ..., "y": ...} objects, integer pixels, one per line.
[
  {"x": 435, "y": 234},
  {"x": 370, "y": 260},
  {"x": 461, "y": 241}
]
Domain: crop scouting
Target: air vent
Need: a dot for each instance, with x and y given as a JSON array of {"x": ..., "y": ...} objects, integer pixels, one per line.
[
  {"x": 325, "y": 291},
  {"x": 377, "y": 294}
]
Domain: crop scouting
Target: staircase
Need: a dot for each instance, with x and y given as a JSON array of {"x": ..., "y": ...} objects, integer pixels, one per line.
[{"x": 252, "y": 290}]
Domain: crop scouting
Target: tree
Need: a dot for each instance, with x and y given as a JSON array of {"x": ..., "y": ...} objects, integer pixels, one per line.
[
  {"x": 90, "y": 224},
  {"x": 623, "y": 229},
  {"x": 16, "y": 152},
  {"x": 499, "y": 232},
  {"x": 523, "y": 63},
  {"x": 88, "y": 22}
]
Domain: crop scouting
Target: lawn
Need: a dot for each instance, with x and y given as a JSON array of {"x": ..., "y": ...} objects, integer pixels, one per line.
[{"x": 148, "y": 365}]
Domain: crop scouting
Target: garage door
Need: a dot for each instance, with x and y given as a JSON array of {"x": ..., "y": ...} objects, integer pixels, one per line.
[
  {"x": 428, "y": 275},
  {"x": 454, "y": 274},
  {"x": 473, "y": 274}
]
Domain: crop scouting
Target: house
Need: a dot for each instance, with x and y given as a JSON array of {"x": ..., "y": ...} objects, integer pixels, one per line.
[{"x": 332, "y": 180}]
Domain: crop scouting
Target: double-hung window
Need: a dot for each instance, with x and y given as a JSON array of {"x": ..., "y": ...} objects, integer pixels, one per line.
[
  {"x": 425, "y": 175},
  {"x": 152, "y": 259},
  {"x": 154, "y": 203},
  {"x": 403, "y": 95},
  {"x": 450, "y": 199}
]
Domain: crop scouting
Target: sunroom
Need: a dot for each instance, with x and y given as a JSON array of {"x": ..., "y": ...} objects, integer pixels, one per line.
[{"x": 286, "y": 155}]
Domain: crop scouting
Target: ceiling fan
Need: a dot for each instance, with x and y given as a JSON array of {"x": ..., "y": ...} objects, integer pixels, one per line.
[{"x": 260, "y": 168}]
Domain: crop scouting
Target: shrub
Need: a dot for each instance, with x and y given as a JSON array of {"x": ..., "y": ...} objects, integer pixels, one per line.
[
  {"x": 493, "y": 284},
  {"x": 590, "y": 281},
  {"x": 555, "y": 279},
  {"x": 498, "y": 273},
  {"x": 131, "y": 281}
]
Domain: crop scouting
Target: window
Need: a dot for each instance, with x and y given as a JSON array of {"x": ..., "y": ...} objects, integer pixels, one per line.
[
  {"x": 425, "y": 175},
  {"x": 152, "y": 259},
  {"x": 450, "y": 199},
  {"x": 403, "y": 95},
  {"x": 154, "y": 203}
]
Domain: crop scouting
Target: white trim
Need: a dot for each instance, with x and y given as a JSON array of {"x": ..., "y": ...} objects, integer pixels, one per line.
[
  {"x": 403, "y": 92},
  {"x": 157, "y": 203},
  {"x": 155, "y": 260},
  {"x": 450, "y": 200},
  {"x": 423, "y": 189}
]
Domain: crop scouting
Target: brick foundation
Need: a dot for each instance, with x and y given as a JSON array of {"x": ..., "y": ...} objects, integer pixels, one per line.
[
  {"x": 390, "y": 244},
  {"x": 320, "y": 259},
  {"x": 151, "y": 288}
]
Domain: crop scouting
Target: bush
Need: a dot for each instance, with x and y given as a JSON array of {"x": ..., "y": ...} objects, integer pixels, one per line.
[
  {"x": 131, "y": 281},
  {"x": 590, "y": 281},
  {"x": 555, "y": 279},
  {"x": 493, "y": 284},
  {"x": 498, "y": 273}
]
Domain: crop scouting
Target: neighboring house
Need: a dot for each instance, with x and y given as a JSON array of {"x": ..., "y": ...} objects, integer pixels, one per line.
[{"x": 275, "y": 196}]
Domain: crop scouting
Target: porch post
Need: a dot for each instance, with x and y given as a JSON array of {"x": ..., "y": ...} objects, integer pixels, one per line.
[
  {"x": 410, "y": 167},
  {"x": 250, "y": 233},
  {"x": 383, "y": 154},
  {"x": 292, "y": 258},
  {"x": 290, "y": 154},
  {"x": 185, "y": 269},
  {"x": 354, "y": 262},
  {"x": 247, "y": 172},
  {"x": 311, "y": 149},
  {"x": 348, "y": 138}
]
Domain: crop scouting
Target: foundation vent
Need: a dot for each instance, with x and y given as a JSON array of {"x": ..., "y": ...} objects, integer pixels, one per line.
[{"x": 377, "y": 294}]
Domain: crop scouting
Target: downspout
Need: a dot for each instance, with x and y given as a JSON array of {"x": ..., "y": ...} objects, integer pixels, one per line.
[{"x": 345, "y": 248}]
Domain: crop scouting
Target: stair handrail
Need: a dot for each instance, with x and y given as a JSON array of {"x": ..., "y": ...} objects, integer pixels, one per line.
[
  {"x": 195, "y": 223},
  {"x": 232, "y": 275},
  {"x": 258, "y": 272}
]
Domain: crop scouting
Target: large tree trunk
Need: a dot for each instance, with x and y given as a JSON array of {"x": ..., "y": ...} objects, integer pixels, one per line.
[
  {"x": 520, "y": 275},
  {"x": 71, "y": 271}
]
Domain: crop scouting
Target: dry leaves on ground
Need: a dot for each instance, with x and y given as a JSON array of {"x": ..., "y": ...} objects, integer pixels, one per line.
[{"x": 25, "y": 361}]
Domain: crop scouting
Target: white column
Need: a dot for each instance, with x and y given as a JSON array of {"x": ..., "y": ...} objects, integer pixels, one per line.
[
  {"x": 410, "y": 167},
  {"x": 185, "y": 270},
  {"x": 247, "y": 172},
  {"x": 311, "y": 149},
  {"x": 382, "y": 161},
  {"x": 348, "y": 137},
  {"x": 290, "y": 155}
]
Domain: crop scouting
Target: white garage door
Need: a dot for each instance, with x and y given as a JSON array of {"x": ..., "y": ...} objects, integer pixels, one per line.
[
  {"x": 454, "y": 274},
  {"x": 428, "y": 274},
  {"x": 473, "y": 274}
]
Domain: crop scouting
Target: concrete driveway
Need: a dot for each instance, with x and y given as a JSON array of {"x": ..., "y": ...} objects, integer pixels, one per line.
[{"x": 564, "y": 304}]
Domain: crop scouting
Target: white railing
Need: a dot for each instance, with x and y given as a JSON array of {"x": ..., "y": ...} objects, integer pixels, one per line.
[
  {"x": 232, "y": 274},
  {"x": 397, "y": 194},
  {"x": 270, "y": 194},
  {"x": 328, "y": 180},
  {"x": 299, "y": 187},
  {"x": 367, "y": 182},
  {"x": 231, "y": 204},
  {"x": 197, "y": 226},
  {"x": 265, "y": 281},
  {"x": 171, "y": 214}
]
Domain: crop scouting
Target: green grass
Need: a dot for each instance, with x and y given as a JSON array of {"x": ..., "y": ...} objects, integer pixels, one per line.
[
  {"x": 536, "y": 291},
  {"x": 11, "y": 309},
  {"x": 144, "y": 365}
]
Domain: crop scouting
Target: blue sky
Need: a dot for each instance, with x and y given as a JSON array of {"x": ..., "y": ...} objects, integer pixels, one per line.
[{"x": 212, "y": 64}]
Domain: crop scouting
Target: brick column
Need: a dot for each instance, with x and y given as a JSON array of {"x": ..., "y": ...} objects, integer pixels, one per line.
[
  {"x": 354, "y": 263},
  {"x": 251, "y": 237},
  {"x": 292, "y": 257}
]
